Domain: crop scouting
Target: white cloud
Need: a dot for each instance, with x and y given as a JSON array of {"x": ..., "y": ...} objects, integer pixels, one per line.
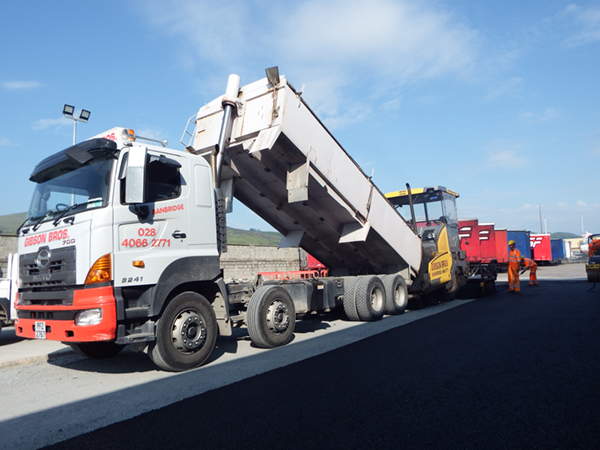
[
  {"x": 21, "y": 85},
  {"x": 582, "y": 23},
  {"x": 4, "y": 142},
  {"x": 510, "y": 87},
  {"x": 44, "y": 124},
  {"x": 334, "y": 47},
  {"x": 150, "y": 133},
  {"x": 507, "y": 159},
  {"x": 548, "y": 114}
]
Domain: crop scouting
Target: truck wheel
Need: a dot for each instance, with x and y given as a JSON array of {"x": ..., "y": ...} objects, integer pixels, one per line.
[
  {"x": 370, "y": 298},
  {"x": 349, "y": 302},
  {"x": 593, "y": 277},
  {"x": 271, "y": 317},
  {"x": 396, "y": 294},
  {"x": 96, "y": 350},
  {"x": 186, "y": 333}
]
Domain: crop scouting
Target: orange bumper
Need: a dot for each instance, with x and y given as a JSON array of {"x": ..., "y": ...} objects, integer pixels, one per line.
[{"x": 66, "y": 330}]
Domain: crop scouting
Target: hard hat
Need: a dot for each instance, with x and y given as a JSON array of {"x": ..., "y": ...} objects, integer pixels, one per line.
[
  {"x": 511, "y": 242},
  {"x": 523, "y": 258}
]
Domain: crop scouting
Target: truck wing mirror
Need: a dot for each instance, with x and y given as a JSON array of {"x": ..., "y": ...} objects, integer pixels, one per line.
[{"x": 135, "y": 182}]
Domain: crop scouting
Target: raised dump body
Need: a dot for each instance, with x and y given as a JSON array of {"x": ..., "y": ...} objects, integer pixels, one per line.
[{"x": 288, "y": 169}]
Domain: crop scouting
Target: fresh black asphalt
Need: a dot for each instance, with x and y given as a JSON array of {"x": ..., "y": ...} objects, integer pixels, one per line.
[{"x": 503, "y": 372}]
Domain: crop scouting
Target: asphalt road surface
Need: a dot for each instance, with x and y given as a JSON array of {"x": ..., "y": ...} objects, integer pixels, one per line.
[{"x": 507, "y": 371}]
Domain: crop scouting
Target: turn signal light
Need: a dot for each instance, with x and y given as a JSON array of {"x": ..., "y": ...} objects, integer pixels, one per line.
[
  {"x": 128, "y": 135},
  {"x": 100, "y": 271}
]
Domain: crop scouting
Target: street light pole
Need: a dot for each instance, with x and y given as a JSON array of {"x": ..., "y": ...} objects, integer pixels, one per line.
[{"x": 84, "y": 116}]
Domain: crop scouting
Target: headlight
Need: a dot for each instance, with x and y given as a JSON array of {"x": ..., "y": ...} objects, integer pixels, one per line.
[
  {"x": 89, "y": 317},
  {"x": 429, "y": 235}
]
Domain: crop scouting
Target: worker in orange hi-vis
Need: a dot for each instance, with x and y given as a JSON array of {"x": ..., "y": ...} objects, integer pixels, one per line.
[
  {"x": 532, "y": 266},
  {"x": 514, "y": 260},
  {"x": 594, "y": 247}
]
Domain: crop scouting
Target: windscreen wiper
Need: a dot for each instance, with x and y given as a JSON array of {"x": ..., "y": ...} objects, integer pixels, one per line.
[
  {"x": 39, "y": 222},
  {"x": 71, "y": 208}
]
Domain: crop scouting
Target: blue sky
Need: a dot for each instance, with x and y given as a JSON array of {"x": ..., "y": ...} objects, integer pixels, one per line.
[{"x": 499, "y": 101}]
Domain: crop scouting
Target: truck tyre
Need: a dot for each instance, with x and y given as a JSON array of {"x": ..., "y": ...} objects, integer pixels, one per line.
[
  {"x": 96, "y": 350},
  {"x": 349, "y": 302},
  {"x": 271, "y": 317},
  {"x": 396, "y": 294},
  {"x": 186, "y": 333},
  {"x": 593, "y": 277},
  {"x": 370, "y": 298}
]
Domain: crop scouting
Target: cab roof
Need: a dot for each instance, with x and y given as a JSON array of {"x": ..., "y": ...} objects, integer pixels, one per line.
[{"x": 419, "y": 195}]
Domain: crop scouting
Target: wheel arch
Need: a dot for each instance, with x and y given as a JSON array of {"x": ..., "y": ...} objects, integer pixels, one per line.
[{"x": 197, "y": 274}]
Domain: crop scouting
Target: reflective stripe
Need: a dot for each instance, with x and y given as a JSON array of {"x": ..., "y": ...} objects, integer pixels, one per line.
[{"x": 514, "y": 256}]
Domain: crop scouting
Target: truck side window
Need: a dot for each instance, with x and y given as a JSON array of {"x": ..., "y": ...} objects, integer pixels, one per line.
[{"x": 163, "y": 181}]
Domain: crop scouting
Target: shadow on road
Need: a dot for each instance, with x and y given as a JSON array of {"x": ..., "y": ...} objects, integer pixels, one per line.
[
  {"x": 8, "y": 336},
  {"x": 136, "y": 362}
]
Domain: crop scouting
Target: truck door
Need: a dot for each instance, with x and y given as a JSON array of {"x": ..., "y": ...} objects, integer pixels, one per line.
[{"x": 150, "y": 235}]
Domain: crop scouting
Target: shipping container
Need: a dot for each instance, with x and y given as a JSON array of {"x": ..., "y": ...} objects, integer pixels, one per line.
[
  {"x": 521, "y": 238},
  {"x": 558, "y": 248}
]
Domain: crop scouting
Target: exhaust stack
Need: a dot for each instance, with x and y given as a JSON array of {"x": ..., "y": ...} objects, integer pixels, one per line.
[{"x": 229, "y": 103}]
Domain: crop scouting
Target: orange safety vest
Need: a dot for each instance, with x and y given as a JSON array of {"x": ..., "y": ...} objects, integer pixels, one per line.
[
  {"x": 514, "y": 257},
  {"x": 529, "y": 263},
  {"x": 594, "y": 247}
]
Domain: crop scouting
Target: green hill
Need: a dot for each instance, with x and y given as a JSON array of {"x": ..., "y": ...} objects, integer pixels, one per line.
[
  {"x": 563, "y": 235},
  {"x": 11, "y": 222},
  {"x": 252, "y": 237}
]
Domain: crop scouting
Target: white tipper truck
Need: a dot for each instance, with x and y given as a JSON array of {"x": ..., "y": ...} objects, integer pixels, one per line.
[{"x": 122, "y": 240}]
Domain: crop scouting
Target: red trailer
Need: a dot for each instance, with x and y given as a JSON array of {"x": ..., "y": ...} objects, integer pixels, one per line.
[
  {"x": 541, "y": 248},
  {"x": 468, "y": 230},
  {"x": 501, "y": 246},
  {"x": 478, "y": 241},
  {"x": 487, "y": 242}
]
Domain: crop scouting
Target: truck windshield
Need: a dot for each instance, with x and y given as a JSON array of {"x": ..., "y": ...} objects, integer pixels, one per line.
[{"x": 69, "y": 187}]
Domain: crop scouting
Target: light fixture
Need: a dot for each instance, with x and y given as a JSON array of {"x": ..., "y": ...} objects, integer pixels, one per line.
[
  {"x": 273, "y": 76},
  {"x": 68, "y": 111},
  {"x": 84, "y": 116}
]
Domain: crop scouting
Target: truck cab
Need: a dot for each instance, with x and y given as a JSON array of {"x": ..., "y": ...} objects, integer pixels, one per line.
[{"x": 113, "y": 226}]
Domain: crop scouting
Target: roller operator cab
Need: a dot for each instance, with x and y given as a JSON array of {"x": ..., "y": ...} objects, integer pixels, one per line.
[{"x": 431, "y": 211}]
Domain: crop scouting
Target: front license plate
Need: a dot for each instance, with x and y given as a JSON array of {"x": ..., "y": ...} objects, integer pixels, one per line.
[{"x": 40, "y": 330}]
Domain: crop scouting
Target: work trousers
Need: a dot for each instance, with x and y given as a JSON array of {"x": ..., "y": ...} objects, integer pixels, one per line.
[
  {"x": 513, "y": 278},
  {"x": 533, "y": 276}
]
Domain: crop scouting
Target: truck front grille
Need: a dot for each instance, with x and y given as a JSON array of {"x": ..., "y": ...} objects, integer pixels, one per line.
[{"x": 47, "y": 276}]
